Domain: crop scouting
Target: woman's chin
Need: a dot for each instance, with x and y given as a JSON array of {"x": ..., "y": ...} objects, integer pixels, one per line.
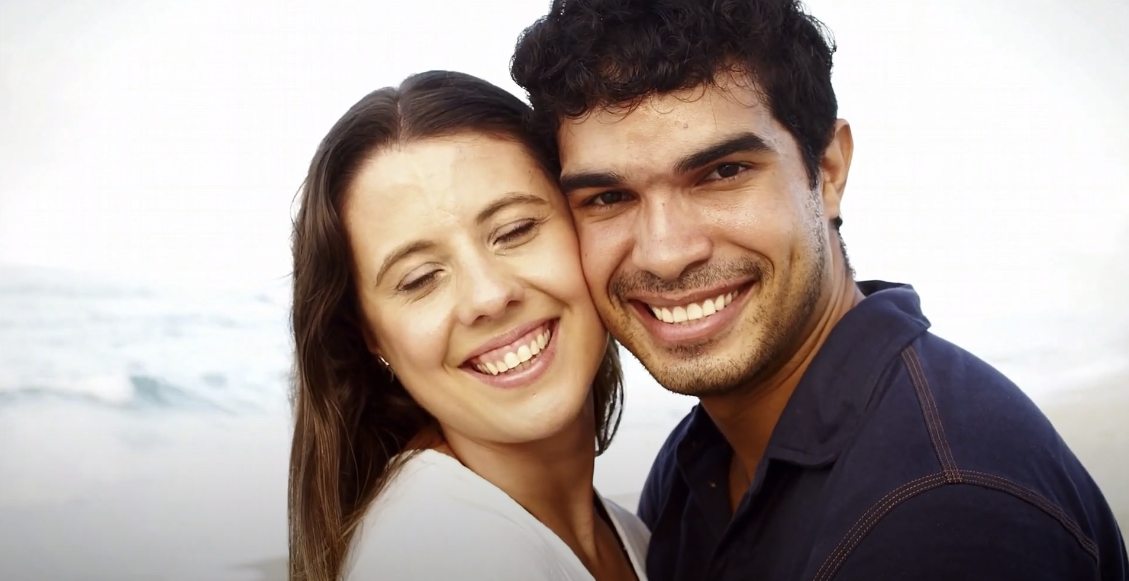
[{"x": 562, "y": 418}]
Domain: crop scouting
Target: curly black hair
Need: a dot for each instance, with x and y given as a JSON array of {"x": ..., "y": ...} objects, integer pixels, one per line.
[{"x": 588, "y": 54}]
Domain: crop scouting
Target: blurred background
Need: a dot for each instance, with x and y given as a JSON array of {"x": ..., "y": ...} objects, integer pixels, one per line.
[{"x": 150, "y": 152}]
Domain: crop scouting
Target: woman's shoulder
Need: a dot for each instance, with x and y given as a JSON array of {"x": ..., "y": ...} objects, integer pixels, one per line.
[
  {"x": 432, "y": 489},
  {"x": 633, "y": 532},
  {"x": 438, "y": 520}
]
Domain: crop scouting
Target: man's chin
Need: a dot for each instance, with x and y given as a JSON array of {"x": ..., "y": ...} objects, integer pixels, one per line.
[
  {"x": 694, "y": 371},
  {"x": 687, "y": 368},
  {"x": 696, "y": 382}
]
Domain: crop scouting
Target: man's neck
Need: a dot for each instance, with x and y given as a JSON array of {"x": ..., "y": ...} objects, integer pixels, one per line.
[{"x": 748, "y": 417}]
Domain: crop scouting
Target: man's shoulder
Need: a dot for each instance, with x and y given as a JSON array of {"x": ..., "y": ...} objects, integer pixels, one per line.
[
  {"x": 975, "y": 410},
  {"x": 935, "y": 353},
  {"x": 967, "y": 431},
  {"x": 957, "y": 414},
  {"x": 969, "y": 532}
]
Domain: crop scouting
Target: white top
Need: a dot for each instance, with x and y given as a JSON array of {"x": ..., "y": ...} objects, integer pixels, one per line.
[{"x": 438, "y": 520}]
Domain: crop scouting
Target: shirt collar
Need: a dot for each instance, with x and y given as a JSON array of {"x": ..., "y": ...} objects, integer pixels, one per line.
[{"x": 824, "y": 410}]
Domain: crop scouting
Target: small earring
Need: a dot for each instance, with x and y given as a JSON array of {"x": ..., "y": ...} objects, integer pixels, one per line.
[{"x": 387, "y": 366}]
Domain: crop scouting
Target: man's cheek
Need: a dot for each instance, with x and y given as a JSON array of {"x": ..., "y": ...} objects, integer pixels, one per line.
[{"x": 593, "y": 260}]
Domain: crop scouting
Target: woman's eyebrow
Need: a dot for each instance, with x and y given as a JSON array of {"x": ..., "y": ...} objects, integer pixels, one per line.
[
  {"x": 506, "y": 200},
  {"x": 401, "y": 252}
]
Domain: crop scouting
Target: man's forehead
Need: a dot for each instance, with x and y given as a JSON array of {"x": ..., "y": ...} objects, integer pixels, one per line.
[{"x": 663, "y": 127}]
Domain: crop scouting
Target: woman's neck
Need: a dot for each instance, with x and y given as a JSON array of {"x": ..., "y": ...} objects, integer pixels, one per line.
[{"x": 550, "y": 478}]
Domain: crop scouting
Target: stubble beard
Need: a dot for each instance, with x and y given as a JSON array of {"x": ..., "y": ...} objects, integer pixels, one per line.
[{"x": 693, "y": 369}]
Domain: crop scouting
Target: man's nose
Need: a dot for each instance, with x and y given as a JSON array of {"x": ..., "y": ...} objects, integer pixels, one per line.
[{"x": 669, "y": 240}]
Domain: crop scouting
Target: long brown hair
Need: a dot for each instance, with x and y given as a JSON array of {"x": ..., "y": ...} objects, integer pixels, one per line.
[{"x": 352, "y": 417}]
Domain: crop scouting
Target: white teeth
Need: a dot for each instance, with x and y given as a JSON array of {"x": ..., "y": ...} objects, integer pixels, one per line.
[
  {"x": 513, "y": 359},
  {"x": 693, "y": 311}
]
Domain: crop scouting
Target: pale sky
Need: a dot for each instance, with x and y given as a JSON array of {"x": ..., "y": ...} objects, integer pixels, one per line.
[{"x": 161, "y": 140}]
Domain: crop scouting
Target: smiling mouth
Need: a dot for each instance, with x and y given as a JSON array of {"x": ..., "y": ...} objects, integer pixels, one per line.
[
  {"x": 517, "y": 356},
  {"x": 693, "y": 311}
]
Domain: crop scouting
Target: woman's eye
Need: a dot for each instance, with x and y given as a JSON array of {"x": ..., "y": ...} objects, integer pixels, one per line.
[
  {"x": 726, "y": 171},
  {"x": 418, "y": 282},
  {"x": 517, "y": 232}
]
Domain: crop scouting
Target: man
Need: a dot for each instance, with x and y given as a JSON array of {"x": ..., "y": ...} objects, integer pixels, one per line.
[{"x": 836, "y": 438}]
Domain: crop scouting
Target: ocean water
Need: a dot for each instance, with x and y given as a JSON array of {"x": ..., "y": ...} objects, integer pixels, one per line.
[
  {"x": 144, "y": 431},
  {"x": 136, "y": 349},
  {"x": 139, "y": 349}
]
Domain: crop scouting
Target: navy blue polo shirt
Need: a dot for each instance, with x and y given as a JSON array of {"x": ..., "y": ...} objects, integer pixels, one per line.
[{"x": 898, "y": 456}]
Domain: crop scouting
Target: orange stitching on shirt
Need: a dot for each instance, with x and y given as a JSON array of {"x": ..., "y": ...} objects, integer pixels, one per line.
[
  {"x": 871, "y": 517},
  {"x": 1016, "y": 489},
  {"x": 932, "y": 415}
]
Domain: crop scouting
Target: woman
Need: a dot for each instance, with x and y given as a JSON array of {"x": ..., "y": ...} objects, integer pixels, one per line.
[{"x": 453, "y": 380}]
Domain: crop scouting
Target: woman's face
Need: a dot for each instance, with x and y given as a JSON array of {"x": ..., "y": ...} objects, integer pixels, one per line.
[{"x": 469, "y": 279}]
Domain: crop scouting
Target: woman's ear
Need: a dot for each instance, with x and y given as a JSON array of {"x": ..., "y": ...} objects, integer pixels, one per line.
[
  {"x": 370, "y": 340},
  {"x": 372, "y": 344}
]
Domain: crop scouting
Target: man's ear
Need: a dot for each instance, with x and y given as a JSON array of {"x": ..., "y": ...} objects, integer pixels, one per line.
[{"x": 834, "y": 167}]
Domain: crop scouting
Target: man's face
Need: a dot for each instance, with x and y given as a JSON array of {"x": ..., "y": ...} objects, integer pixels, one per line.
[{"x": 704, "y": 245}]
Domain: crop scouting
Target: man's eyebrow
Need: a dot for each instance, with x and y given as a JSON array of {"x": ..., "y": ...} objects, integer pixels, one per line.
[
  {"x": 740, "y": 143},
  {"x": 409, "y": 248},
  {"x": 571, "y": 182}
]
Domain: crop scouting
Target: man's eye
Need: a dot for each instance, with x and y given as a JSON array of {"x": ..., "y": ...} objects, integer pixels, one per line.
[
  {"x": 608, "y": 198},
  {"x": 726, "y": 171}
]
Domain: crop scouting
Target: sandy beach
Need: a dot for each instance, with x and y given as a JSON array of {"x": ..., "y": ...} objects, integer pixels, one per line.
[
  {"x": 89, "y": 495},
  {"x": 1090, "y": 419},
  {"x": 205, "y": 499},
  {"x": 1093, "y": 422}
]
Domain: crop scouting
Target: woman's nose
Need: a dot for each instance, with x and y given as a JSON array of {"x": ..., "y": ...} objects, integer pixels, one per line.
[{"x": 489, "y": 290}]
